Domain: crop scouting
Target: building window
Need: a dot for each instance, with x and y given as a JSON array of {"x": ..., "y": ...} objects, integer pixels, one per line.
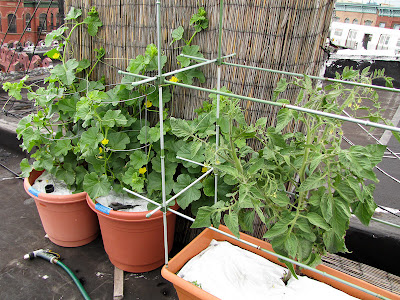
[
  {"x": 347, "y": 20},
  {"x": 398, "y": 43},
  {"x": 58, "y": 20},
  {"x": 51, "y": 22},
  {"x": 367, "y": 22},
  {"x": 351, "y": 41},
  {"x": 42, "y": 22},
  {"x": 355, "y": 21},
  {"x": 338, "y": 32},
  {"x": 28, "y": 21},
  {"x": 396, "y": 26},
  {"x": 336, "y": 19},
  {"x": 383, "y": 42},
  {"x": 382, "y": 24},
  {"x": 12, "y": 23}
]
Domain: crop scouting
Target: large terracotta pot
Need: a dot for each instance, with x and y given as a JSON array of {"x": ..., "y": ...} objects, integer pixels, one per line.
[
  {"x": 133, "y": 242},
  {"x": 187, "y": 290},
  {"x": 66, "y": 219}
]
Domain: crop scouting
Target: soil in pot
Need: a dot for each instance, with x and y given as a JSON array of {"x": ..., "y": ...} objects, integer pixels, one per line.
[
  {"x": 133, "y": 242},
  {"x": 66, "y": 218}
]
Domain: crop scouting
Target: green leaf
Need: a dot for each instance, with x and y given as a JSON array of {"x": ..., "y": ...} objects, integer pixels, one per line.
[
  {"x": 278, "y": 228},
  {"x": 73, "y": 14},
  {"x": 181, "y": 128},
  {"x": 154, "y": 183},
  {"x": 96, "y": 186},
  {"x": 66, "y": 173},
  {"x": 149, "y": 135},
  {"x": 304, "y": 250},
  {"x": 291, "y": 244},
  {"x": 280, "y": 87},
  {"x": 364, "y": 210},
  {"x": 199, "y": 20},
  {"x": 317, "y": 220},
  {"x": 54, "y": 35},
  {"x": 333, "y": 243},
  {"x": 133, "y": 179},
  {"x": 186, "y": 77},
  {"x": 66, "y": 73},
  {"x": 14, "y": 89},
  {"x": 231, "y": 220},
  {"x": 246, "y": 219},
  {"x": 114, "y": 117},
  {"x": 26, "y": 167},
  {"x": 192, "y": 194},
  {"x": 67, "y": 104},
  {"x": 93, "y": 21},
  {"x": 136, "y": 65},
  {"x": 203, "y": 217},
  {"x": 118, "y": 140},
  {"x": 191, "y": 51},
  {"x": 284, "y": 117},
  {"x": 177, "y": 34},
  {"x": 227, "y": 169},
  {"x": 313, "y": 182},
  {"x": 166, "y": 97},
  {"x": 90, "y": 139},
  {"x": 281, "y": 199},
  {"x": 60, "y": 147},
  {"x": 137, "y": 159},
  {"x": 83, "y": 64},
  {"x": 340, "y": 216},
  {"x": 209, "y": 188}
]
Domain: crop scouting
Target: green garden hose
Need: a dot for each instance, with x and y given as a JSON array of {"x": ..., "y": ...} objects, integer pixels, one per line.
[{"x": 54, "y": 259}]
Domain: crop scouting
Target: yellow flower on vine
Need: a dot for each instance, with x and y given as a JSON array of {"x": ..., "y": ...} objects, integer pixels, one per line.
[
  {"x": 174, "y": 79},
  {"x": 100, "y": 150},
  {"x": 142, "y": 170},
  {"x": 350, "y": 104},
  {"x": 204, "y": 169},
  {"x": 56, "y": 55},
  {"x": 359, "y": 100},
  {"x": 148, "y": 104},
  {"x": 104, "y": 141},
  {"x": 100, "y": 157}
]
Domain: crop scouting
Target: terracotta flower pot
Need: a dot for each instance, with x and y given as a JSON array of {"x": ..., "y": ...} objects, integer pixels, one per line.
[
  {"x": 187, "y": 290},
  {"x": 66, "y": 219},
  {"x": 133, "y": 242}
]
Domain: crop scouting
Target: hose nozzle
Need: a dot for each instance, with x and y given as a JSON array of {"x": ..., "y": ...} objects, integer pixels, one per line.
[{"x": 44, "y": 254}]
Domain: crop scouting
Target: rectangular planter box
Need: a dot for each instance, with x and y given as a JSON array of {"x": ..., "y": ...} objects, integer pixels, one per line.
[{"x": 187, "y": 290}]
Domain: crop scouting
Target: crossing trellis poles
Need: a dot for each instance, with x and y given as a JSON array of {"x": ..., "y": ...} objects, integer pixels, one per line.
[{"x": 219, "y": 61}]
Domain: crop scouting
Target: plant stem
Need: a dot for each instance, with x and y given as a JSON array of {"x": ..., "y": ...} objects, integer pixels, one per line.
[{"x": 236, "y": 160}]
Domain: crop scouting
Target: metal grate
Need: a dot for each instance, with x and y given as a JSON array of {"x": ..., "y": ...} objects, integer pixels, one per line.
[{"x": 364, "y": 272}]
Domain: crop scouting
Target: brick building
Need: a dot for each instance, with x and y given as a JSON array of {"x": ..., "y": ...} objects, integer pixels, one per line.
[
  {"x": 37, "y": 23},
  {"x": 367, "y": 14},
  {"x": 388, "y": 17}
]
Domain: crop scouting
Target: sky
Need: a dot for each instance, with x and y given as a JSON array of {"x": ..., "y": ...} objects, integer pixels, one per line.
[{"x": 391, "y": 2}]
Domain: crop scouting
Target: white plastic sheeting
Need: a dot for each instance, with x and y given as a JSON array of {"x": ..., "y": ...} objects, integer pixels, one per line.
[
  {"x": 60, "y": 188},
  {"x": 229, "y": 272}
]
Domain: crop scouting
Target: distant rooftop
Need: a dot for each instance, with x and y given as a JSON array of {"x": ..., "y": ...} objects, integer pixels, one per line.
[{"x": 372, "y": 8}]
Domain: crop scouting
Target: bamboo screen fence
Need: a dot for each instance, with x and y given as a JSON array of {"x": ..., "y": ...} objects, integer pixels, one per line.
[
  {"x": 285, "y": 35},
  {"x": 279, "y": 34}
]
